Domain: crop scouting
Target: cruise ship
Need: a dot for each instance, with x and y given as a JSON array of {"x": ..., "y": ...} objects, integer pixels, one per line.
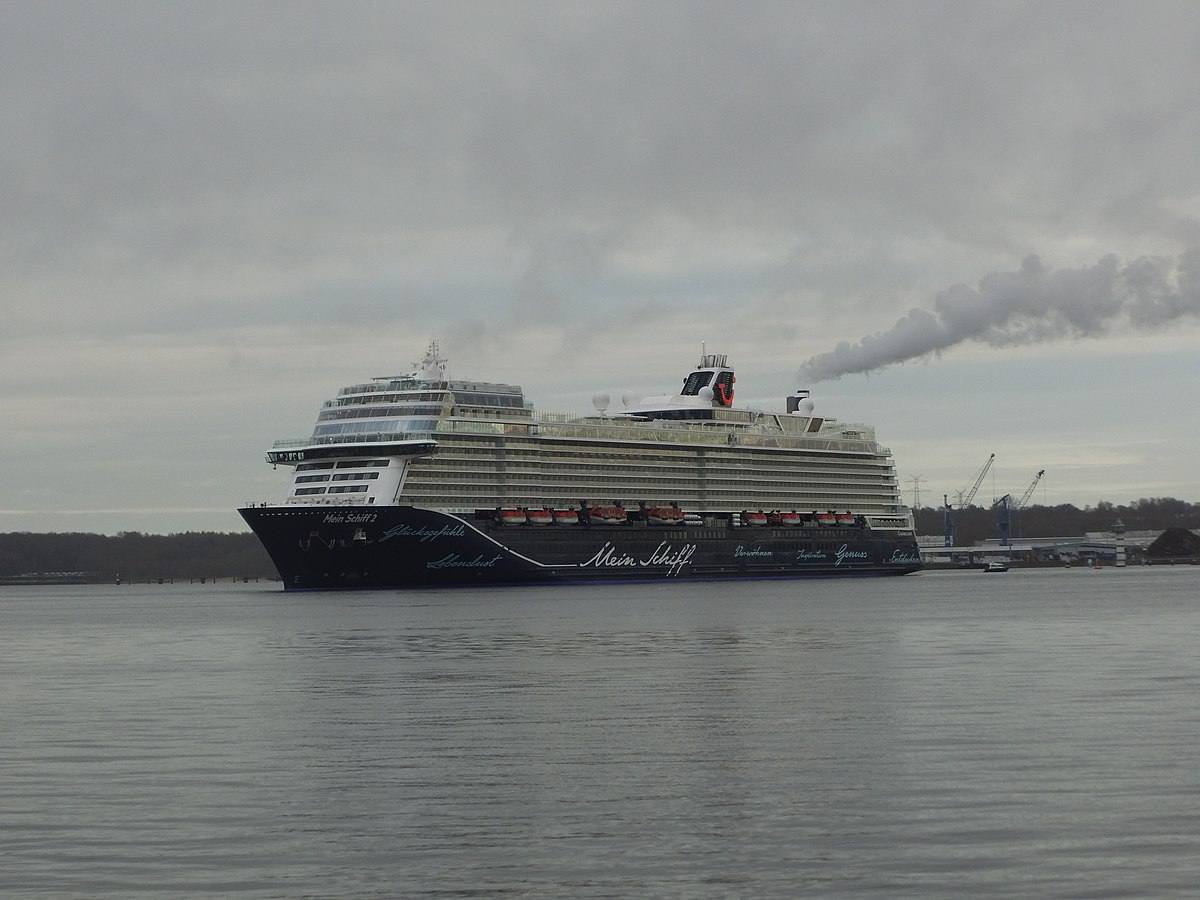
[{"x": 423, "y": 479}]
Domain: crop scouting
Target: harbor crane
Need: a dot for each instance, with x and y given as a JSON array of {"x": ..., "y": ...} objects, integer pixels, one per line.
[
  {"x": 1006, "y": 506},
  {"x": 964, "y": 500},
  {"x": 1029, "y": 490}
]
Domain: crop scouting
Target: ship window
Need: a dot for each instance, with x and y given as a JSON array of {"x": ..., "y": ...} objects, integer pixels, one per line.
[
  {"x": 376, "y": 426},
  {"x": 705, "y": 413},
  {"x": 305, "y": 466},
  {"x": 302, "y": 491},
  {"x": 506, "y": 401},
  {"x": 379, "y": 412},
  {"x": 376, "y": 463},
  {"x": 355, "y": 476},
  {"x": 694, "y": 382},
  {"x": 347, "y": 489},
  {"x": 301, "y": 479}
]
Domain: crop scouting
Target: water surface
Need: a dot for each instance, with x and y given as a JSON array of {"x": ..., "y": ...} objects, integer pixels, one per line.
[{"x": 944, "y": 735}]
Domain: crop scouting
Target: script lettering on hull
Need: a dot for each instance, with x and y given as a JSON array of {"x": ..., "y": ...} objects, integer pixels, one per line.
[
  {"x": 424, "y": 535},
  {"x": 844, "y": 553},
  {"x": 756, "y": 552},
  {"x": 454, "y": 561},
  {"x": 351, "y": 518},
  {"x": 665, "y": 554}
]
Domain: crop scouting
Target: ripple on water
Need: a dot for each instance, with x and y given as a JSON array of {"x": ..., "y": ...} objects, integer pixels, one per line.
[{"x": 938, "y": 736}]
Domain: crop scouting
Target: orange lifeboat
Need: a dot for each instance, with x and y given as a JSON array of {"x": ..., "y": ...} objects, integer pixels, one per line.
[
  {"x": 607, "y": 515},
  {"x": 566, "y": 517},
  {"x": 539, "y": 516},
  {"x": 664, "y": 515},
  {"x": 826, "y": 518},
  {"x": 846, "y": 518},
  {"x": 758, "y": 518},
  {"x": 512, "y": 516},
  {"x": 790, "y": 519}
]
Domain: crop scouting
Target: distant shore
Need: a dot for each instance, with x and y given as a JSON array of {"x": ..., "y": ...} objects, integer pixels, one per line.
[
  {"x": 1061, "y": 564},
  {"x": 47, "y": 579},
  {"x": 81, "y": 558}
]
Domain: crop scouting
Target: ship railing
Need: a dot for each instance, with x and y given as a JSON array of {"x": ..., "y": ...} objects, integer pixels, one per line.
[
  {"x": 472, "y": 426},
  {"x": 566, "y": 428},
  {"x": 402, "y": 382},
  {"x": 339, "y": 500},
  {"x": 853, "y": 430},
  {"x": 384, "y": 437},
  {"x": 559, "y": 425}
]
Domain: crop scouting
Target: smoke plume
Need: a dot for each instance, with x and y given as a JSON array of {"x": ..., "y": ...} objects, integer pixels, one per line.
[{"x": 1030, "y": 305}]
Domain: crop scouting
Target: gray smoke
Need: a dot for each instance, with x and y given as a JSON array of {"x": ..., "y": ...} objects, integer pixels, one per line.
[{"x": 1030, "y": 305}]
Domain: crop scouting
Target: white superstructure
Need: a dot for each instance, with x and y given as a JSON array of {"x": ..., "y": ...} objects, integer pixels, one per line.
[{"x": 425, "y": 440}]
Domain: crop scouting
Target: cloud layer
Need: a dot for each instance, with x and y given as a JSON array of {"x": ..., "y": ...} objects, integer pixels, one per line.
[
  {"x": 212, "y": 215},
  {"x": 174, "y": 167}
]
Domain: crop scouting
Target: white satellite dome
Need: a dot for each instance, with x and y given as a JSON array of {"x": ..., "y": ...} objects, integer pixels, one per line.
[
  {"x": 805, "y": 408},
  {"x": 628, "y": 398},
  {"x": 601, "y": 401},
  {"x": 705, "y": 393}
]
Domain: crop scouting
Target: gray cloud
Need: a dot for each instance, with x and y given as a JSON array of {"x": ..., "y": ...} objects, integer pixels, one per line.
[
  {"x": 214, "y": 145},
  {"x": 285, "y": 194}
]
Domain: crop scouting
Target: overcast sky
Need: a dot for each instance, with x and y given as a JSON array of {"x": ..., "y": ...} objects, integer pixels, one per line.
[{"x": 214, "y": 215}]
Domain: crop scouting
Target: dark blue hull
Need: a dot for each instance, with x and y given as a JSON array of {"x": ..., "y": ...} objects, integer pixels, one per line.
[{"x": 405, "y": 546}]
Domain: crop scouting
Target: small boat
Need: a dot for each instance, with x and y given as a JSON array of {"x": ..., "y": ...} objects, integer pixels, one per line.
[
  {"x": 826, "y": 518},
  {"x": 846, "y": 518},
  {"x": 756, "y": 519},
  {"x": 996, "y": 565},
  {"x": 539, "y": 516},
  {"x": 566, "y": 517},
  {"x": 607, "y": 515},
  {"x": 512, "y": 516},
  {"x": 664, "y": 515},
  {"x": 790, "y": 519}
]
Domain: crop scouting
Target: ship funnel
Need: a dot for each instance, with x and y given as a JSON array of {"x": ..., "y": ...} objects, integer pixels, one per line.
[{"x": 800, "y": 403}]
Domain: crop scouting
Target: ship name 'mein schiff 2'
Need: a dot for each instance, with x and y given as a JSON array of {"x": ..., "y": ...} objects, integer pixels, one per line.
[{"x": 421, "y": 479}]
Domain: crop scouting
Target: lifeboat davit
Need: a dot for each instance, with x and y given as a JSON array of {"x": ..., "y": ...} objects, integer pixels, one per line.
[
  {"x": 664, "y": 515},
  {"x": 566, "y": 517},
  {"x": 539, "y": 516},
  {"x": 754, "y": 518},
  {"x": 846, "y": 518},
  {"x": 512, "y": 516},
  {"x": 607, "y": 515},
  {"x": 826, "y": 518}
]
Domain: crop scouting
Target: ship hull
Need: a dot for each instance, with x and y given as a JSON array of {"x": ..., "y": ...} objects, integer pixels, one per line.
[{"x": 333, "y": 548}]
